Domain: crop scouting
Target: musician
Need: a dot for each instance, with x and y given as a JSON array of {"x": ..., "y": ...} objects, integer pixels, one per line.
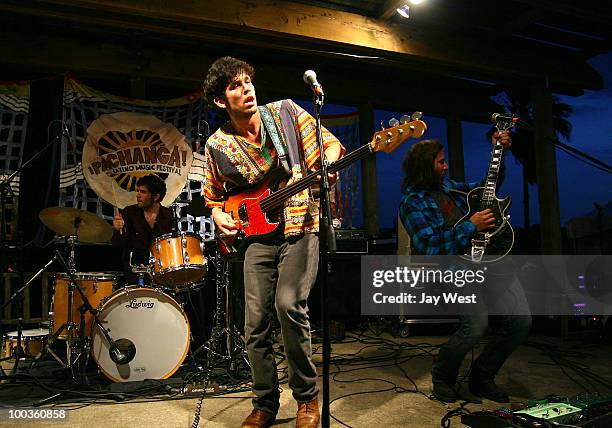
[
  {"x": 279, "y": 272},
  {"x": 136, "y": 226},
  {"x": 430, "y": 206}
]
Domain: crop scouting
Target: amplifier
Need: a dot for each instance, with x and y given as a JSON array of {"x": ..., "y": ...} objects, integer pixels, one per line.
[{"x": 351, "y": 241}]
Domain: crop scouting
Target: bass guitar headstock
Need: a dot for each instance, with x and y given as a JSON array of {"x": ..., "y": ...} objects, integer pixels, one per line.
[{"x": 389, "y": 139}]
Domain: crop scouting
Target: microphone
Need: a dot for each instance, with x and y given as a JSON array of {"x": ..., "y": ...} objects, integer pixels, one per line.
[
  {"x": 504, "y": 117},
  {"x": 122, "y": 351},
  {"x": 310, "y": 78}
]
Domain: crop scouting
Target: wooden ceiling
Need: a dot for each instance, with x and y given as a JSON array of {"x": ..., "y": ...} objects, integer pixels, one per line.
[
  {"x": 573, "y": 27},
  {"x": 449, "y": 55}
]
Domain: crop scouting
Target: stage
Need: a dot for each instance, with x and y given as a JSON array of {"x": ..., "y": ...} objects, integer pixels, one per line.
[{"x": 376, "y": 379}]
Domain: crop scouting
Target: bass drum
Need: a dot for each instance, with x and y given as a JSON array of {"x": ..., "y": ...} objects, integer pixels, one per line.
[{"x": 150, "y": 319}]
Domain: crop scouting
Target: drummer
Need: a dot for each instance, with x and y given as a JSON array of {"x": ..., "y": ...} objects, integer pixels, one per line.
[{"x": 136, "y": 226}]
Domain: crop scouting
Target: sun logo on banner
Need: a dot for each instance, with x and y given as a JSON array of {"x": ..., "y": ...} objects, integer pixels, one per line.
[
  {"x": 121, "y": 143},
  {"x": 122, "y": 147}
]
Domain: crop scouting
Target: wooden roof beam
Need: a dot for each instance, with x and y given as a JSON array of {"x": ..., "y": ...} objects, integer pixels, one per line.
[{"x": 282, "y": 25}]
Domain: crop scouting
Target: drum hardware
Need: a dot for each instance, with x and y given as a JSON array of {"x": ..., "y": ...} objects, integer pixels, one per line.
[
  {"x": 140, "y": 270},
  {"x": 34, "y": 340},
  {"x": 223, "y": 328},
  {"x": 18, "y": 351},
  {"x": 96, "y": 285},
  {"x": 118, "y": 355}
]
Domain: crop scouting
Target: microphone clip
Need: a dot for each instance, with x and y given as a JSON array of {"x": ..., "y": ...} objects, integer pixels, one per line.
[{"x": 310, "y": 78}]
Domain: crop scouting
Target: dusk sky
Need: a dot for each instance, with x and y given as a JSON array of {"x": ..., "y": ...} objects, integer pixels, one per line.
[{"x": 580, "y": 185}]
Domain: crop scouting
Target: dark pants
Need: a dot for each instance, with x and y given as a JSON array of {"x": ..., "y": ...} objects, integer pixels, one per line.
[
  {"x": 278, "y": 276},
  {"x": 510, "y": 329}
]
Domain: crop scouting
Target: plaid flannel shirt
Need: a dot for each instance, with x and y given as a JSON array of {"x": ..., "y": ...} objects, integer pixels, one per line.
[{"x": 424, "y": 222}]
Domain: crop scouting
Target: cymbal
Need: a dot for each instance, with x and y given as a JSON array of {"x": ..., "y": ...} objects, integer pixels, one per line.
[{"x": 87, "y": 226}]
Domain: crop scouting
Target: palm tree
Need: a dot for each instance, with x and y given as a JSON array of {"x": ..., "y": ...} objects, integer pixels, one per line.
[{"x": 518, "y": 102}]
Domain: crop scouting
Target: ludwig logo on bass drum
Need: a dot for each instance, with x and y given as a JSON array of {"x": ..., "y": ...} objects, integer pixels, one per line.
[{"x": 135, "y": 304}]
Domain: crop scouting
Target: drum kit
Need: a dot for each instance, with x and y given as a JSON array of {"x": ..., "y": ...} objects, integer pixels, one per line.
[{"x": 136, "y": 331}]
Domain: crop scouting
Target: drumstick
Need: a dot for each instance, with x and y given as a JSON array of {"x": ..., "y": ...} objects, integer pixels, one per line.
[{"x": 116, "y": 209}]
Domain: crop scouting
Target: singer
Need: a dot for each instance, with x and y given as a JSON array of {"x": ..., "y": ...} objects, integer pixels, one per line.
[
  {"x": 137, "y": 225},
  {"x": 280, "y": 272}
]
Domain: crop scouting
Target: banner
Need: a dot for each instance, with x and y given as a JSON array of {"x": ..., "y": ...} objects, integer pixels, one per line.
[
  {"x": 122, "y": 147},
  {"x": 14, "y": 108},
  {"x": 114, "y": 141}
]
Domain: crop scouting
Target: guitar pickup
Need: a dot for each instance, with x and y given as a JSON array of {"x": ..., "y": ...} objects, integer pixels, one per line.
[{"x": 243, "y": 215}]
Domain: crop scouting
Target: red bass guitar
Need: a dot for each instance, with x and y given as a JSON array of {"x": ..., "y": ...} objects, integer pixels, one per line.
[{"x": 259, "y": 209}]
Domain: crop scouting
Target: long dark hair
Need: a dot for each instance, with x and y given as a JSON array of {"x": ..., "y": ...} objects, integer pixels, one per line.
[{"x": 418, "y": 165}]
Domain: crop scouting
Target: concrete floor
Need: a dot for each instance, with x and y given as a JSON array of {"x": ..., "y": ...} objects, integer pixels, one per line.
[{"x": 528, "y": 374}]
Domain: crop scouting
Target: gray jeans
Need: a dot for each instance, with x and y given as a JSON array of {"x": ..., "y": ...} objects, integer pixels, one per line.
[{"x": 278, "y": 276}]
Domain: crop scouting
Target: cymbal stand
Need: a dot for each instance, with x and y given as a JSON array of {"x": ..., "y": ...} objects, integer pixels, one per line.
[{"x": 69, "y": 326}]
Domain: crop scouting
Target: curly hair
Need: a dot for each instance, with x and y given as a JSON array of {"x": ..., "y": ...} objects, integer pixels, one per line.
[
  {"x": 156, "y": 185},
  {"x": 220, "y": 74},
  {"x": 418, "y": 165}
]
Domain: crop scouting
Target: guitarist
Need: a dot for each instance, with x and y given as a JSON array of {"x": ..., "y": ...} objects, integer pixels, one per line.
[
  {"x": 279, "y": 272},
  {"x": 430, "y": 207}
]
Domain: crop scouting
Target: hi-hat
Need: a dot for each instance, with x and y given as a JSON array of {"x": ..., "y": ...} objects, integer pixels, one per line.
[{"x": 86, "y": 226}]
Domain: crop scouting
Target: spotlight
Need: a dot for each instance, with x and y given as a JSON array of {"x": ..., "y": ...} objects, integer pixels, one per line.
[
  {"x": 404, "y": 11},
  {"x": 415, "y": 2}
]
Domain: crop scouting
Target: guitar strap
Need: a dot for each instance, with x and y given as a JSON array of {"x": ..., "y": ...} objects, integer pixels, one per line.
[
  {"x": 285, "y": 147},
  {"x": 289, "y": 127},
  {"x": 273, "y": 132}
]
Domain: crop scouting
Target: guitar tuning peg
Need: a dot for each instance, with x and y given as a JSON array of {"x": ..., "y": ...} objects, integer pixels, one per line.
[
  {"x": 416, "y": 115},
  {"x": 382, "y": 125},
  {"x": 405, "y": 119},
  {"x": 393, "y": 122}
]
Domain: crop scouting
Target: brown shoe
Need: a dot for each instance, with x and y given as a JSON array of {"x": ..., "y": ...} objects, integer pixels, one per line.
[
  {"x": 308, "y": 414},
  {"x": 258, "y": 419}
]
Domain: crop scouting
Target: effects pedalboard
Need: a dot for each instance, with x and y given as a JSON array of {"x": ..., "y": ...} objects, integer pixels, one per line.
[{"x": 588, "y": 411}]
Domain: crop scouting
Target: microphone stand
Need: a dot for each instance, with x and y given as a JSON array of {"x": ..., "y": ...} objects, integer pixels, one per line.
[{"x": 327, "y": 246}]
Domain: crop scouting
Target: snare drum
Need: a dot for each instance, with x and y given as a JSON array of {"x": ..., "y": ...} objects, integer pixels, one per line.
[
  {"x": 95, "y": 285},
  {"x": 153, "y": 322},
  {"x": 32, "y": 341},
  {"x": 179, "y": 260}
]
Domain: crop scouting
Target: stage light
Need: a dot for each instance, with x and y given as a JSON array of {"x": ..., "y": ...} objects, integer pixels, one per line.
[
  {"x": 404, "y": 11},
  {"x": 416, "y": 1}
]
